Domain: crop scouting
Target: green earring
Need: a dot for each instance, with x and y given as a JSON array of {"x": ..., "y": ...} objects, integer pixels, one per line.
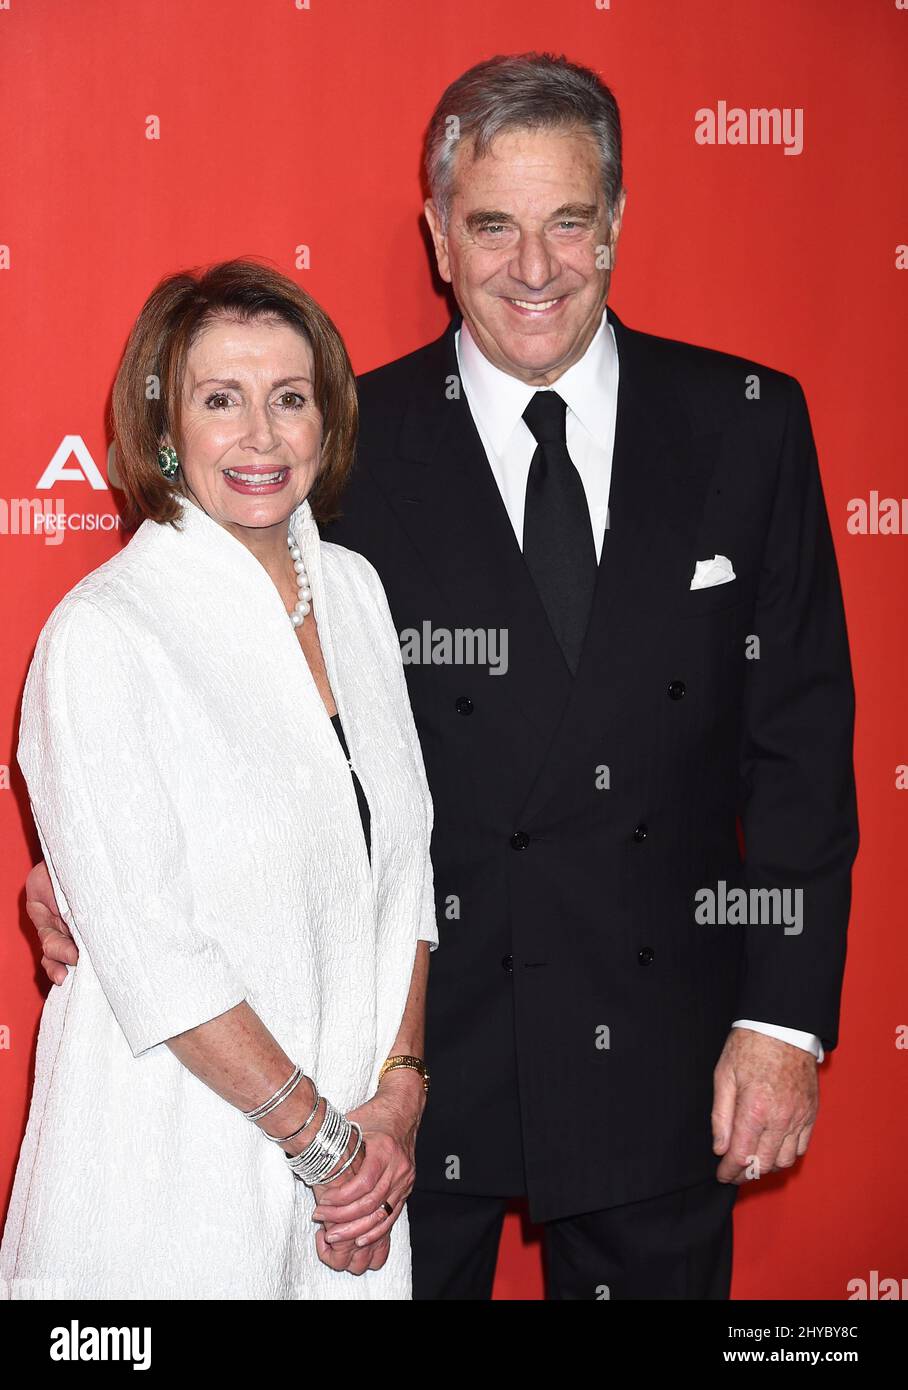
[{"x": 168, "y": 461}]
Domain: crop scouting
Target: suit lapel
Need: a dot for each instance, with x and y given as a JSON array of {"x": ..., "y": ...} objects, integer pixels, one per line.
[
  {"x": 660, "y": 473},
  {"x": 447, "y": 499},
  {"x": 659, "y": 478}
]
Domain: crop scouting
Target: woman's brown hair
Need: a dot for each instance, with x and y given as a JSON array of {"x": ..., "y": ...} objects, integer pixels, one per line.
[{"x": 147, "y": 392}]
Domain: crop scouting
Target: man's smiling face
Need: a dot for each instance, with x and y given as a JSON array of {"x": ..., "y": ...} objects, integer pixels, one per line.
[{"x": 529, "y": 248}]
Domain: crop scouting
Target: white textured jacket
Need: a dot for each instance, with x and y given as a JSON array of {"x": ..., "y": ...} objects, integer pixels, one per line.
[{"x": 201, "y": 827}]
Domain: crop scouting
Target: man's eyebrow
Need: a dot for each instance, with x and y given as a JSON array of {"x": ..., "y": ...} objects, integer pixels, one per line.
[
  {"x": 476, "y": 219},
  {"x": 237, "y": 386},
  {"x": 578, "y": 211}
]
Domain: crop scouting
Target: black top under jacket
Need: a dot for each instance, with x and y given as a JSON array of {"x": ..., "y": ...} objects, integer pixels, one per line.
[{"x": 361, "y": 801}]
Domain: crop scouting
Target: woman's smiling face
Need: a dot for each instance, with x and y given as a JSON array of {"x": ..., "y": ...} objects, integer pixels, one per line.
[{"x": 251, "y": 431}]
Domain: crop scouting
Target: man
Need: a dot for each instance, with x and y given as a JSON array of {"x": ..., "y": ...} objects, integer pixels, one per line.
[{"x": 609, "y": 560}]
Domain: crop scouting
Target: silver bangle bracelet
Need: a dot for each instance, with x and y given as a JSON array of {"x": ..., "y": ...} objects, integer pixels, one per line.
[
  {"x": 359, "y": 1143},
  {"x": 320, "y": 1156},
  {"x": 325, "y": 1140},
  {"x": 285, "y": 1139},
  {"x": 314, "y": 1174},
  {"x": 280, "y": 1095},
  {"x": 321, "y": 1153}
]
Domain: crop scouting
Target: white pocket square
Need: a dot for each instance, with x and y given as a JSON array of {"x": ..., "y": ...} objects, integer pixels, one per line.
[{"x": 718, "y": 570}]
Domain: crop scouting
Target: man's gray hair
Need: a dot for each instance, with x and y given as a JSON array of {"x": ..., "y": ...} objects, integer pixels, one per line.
[{"x": 521, "y": 91}]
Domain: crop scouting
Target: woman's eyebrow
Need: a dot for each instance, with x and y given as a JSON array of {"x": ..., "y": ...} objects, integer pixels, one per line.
[{"x": 227, "y": 381}]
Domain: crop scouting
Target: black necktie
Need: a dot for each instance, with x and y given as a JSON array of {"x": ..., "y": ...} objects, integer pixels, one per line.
[{"x": 558, "y": 543}]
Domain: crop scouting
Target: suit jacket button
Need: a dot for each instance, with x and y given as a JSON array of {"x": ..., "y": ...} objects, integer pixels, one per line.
[
  {"x": 507, "y": 963},
  {"x": 520, "y": 839},
  {"x": 645, "y": 955},
  {"x": 463, "y": 704},
  {"x": 676, "y": 690},
  {"x": 640, "y": 834}
]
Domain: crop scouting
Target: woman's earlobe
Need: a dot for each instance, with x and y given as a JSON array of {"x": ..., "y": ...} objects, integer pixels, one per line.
[{"x": 168, "y": 462}]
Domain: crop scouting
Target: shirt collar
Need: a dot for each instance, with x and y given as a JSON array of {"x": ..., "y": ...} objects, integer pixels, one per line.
[{"x": 498, "y": 399}]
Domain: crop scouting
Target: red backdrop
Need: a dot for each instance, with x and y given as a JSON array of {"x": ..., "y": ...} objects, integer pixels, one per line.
[{"x": 285, "y": 125}]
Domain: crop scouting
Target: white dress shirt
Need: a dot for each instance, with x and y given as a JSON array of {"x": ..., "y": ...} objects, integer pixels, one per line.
[{"x": 590, "y": 389}]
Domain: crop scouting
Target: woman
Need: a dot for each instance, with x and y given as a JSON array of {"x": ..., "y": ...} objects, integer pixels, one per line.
[{"x": 230, "y": 795}]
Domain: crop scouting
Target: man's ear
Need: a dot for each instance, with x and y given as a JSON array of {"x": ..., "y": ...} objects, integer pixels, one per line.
[
  {"x": 615, "y": 226},
  {"x": 439, "y": 239}
]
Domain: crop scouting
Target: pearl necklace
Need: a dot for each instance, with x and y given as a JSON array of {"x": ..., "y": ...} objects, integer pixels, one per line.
[{"x": 304, "y": 601}]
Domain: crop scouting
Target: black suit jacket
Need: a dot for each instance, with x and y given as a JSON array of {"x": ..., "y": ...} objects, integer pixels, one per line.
[{"x": 576, "y": 1007}]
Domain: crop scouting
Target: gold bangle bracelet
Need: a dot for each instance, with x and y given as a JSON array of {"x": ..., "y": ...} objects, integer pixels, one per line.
[{"x": 406, "y": 1063}]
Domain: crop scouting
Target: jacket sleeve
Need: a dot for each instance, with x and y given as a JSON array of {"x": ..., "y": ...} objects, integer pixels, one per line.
[
  {"x": 797, "y": 790},
  {"x": 93, "y": 747}
]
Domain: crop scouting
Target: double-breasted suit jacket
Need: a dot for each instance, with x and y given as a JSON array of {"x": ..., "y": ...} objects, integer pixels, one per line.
[{"x": 577, "y": 1006}]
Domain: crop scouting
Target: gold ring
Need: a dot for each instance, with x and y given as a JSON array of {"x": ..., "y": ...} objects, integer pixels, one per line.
[{"x": 386, "y": 1206}]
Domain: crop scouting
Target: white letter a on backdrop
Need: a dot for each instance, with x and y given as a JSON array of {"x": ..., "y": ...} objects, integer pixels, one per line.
[{"x": 86, "y": 472}]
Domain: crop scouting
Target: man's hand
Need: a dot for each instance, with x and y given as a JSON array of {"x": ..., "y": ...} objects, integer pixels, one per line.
[
  {"x": 58, "y": 946},
  {"x": 765, "y": 1099}
]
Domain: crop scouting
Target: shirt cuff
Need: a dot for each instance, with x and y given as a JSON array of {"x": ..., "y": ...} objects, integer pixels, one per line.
[{"x": 809, "y": 1041}]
